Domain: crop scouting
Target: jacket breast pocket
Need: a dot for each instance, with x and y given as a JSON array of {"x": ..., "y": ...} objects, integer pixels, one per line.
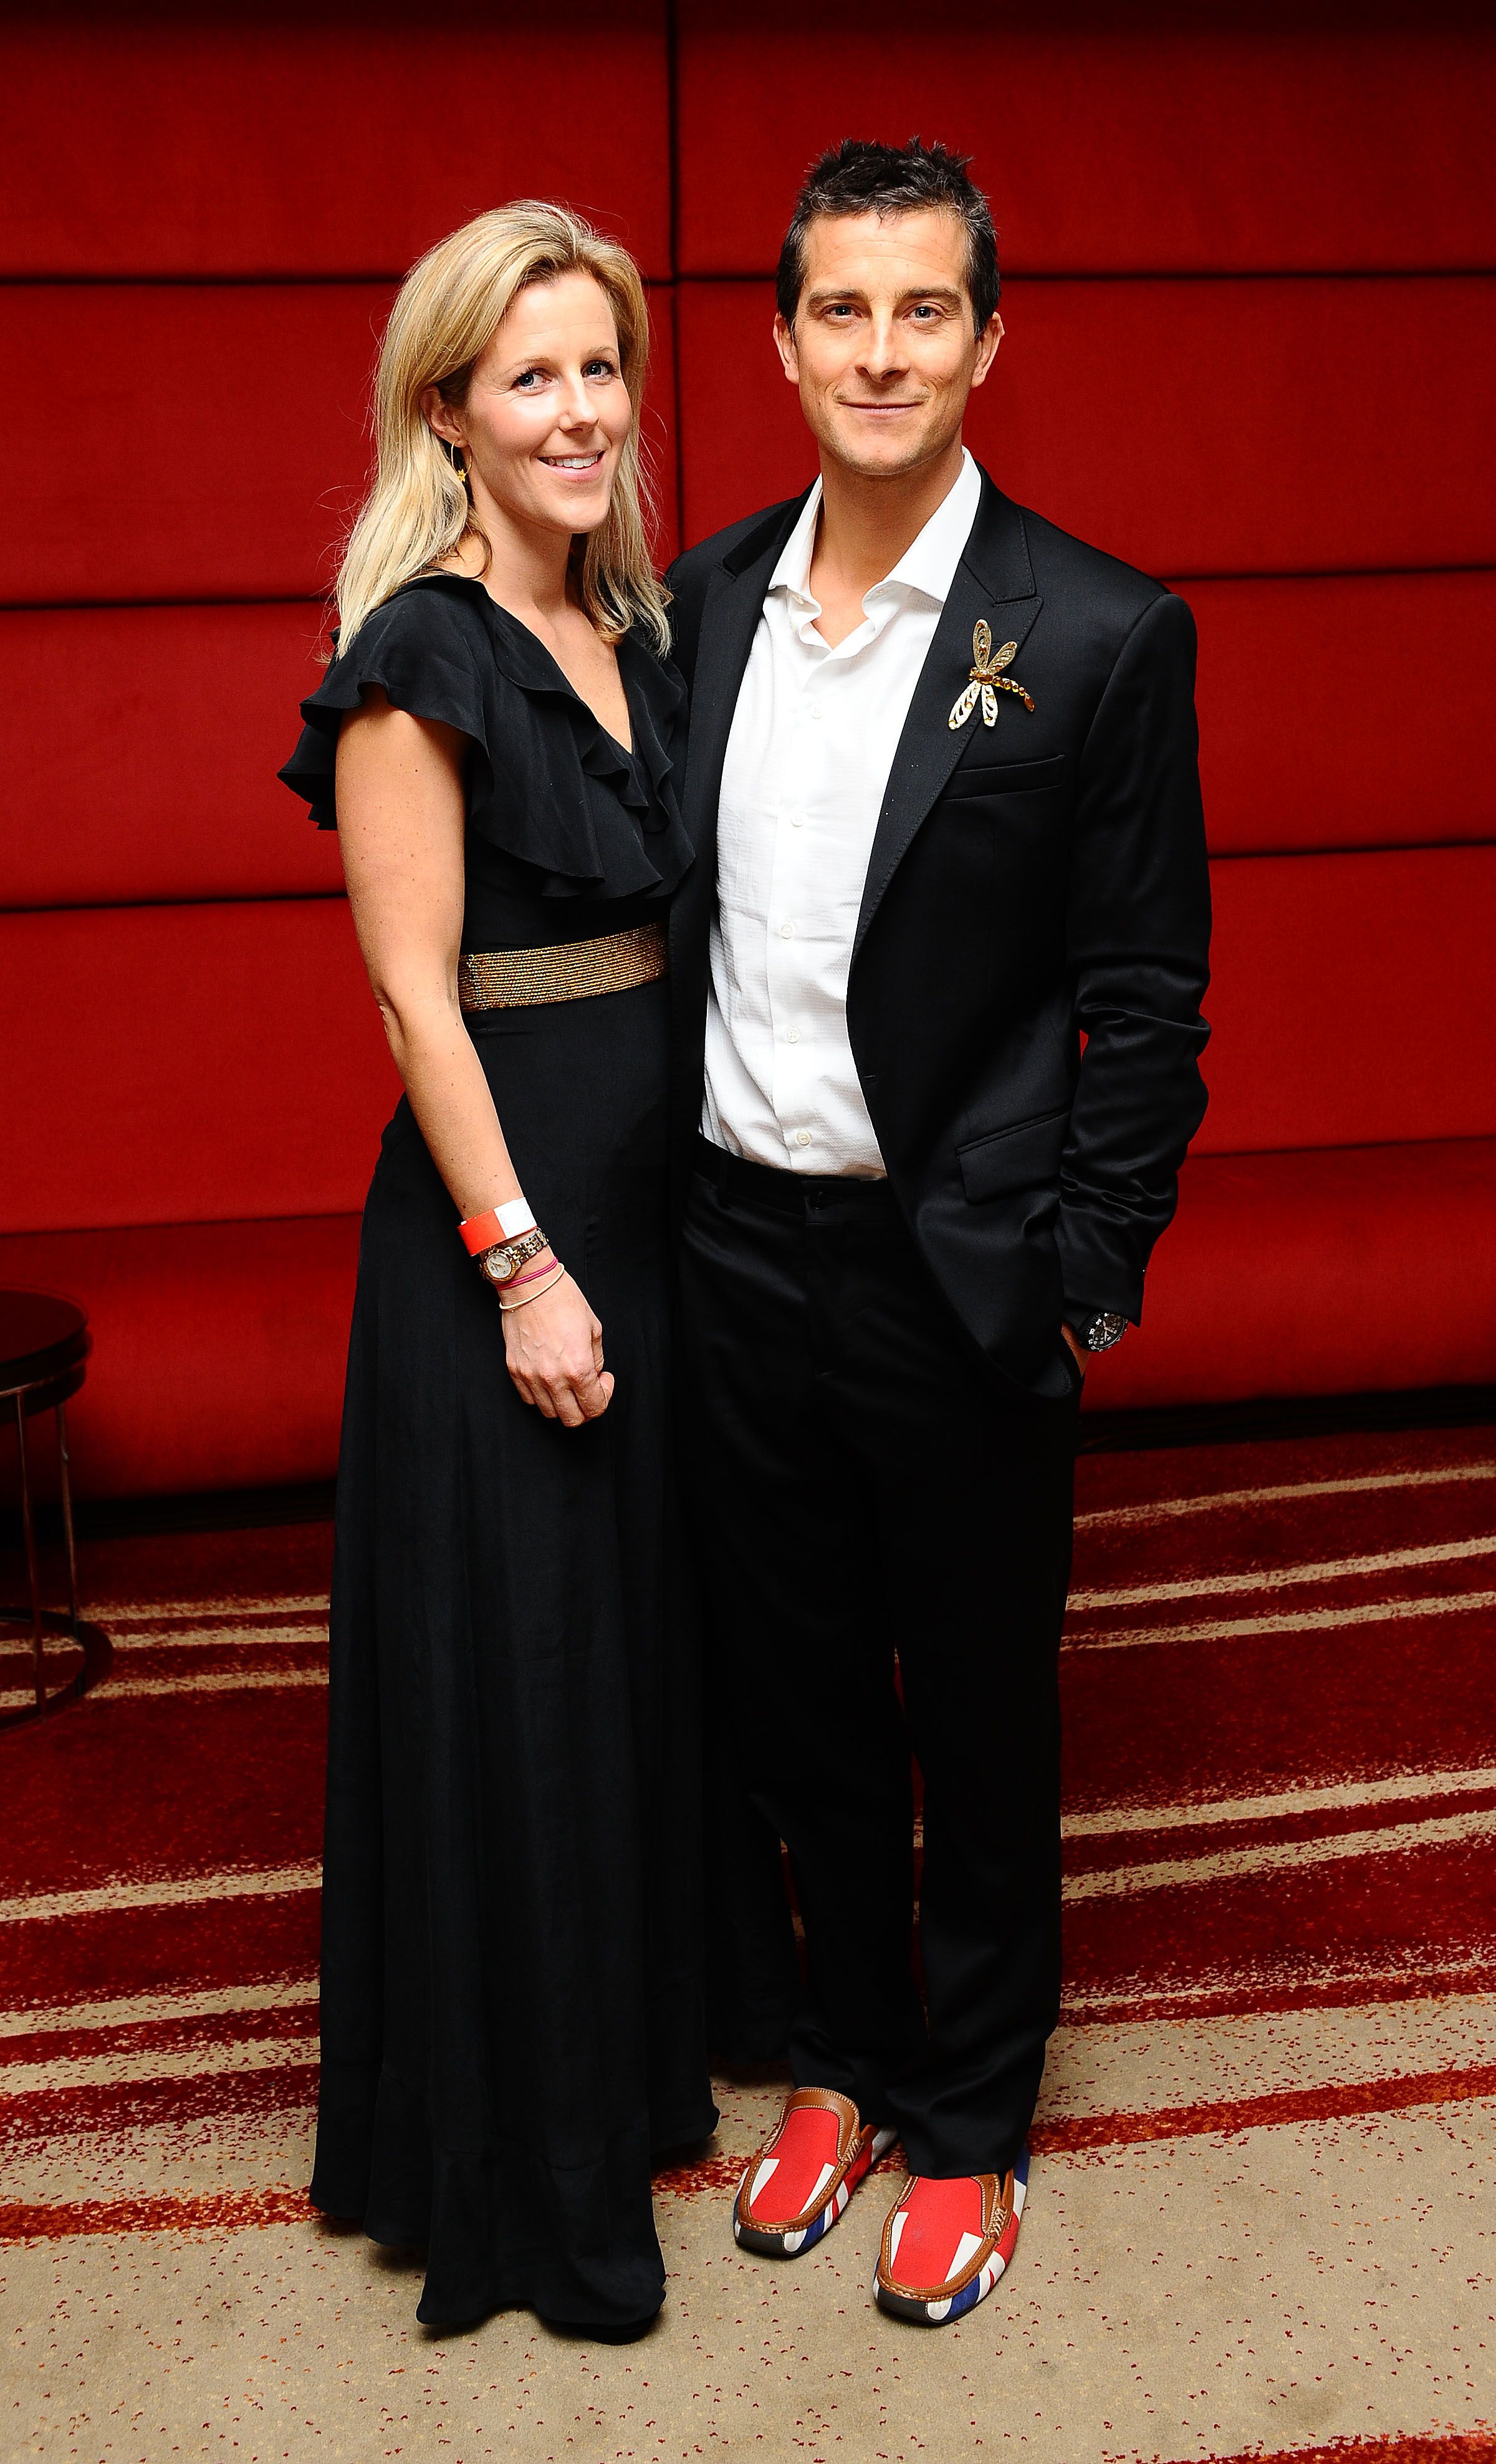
[
  {"x": 1022, "y": 1157},
  {"x": 1003, "y": 778}
]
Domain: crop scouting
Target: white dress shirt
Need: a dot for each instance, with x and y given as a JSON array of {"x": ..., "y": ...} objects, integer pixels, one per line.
[{"x": 812, "y": 742}]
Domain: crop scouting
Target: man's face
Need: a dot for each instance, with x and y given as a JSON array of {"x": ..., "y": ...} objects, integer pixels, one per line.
[{"x": 882, "y": 347}]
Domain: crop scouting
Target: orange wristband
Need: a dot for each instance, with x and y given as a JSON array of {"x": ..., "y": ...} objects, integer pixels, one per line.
[{"x": 506, "y": 1222}]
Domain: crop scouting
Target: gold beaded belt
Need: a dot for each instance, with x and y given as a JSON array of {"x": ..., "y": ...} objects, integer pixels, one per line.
[{"x": 564, "y": 970}]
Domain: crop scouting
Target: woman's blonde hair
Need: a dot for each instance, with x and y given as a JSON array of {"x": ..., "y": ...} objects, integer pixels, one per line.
[{"x": 450, "y": 306}]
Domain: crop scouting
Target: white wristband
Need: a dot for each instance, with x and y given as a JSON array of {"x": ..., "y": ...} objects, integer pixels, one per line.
[{"x": 515, "y": 1218}]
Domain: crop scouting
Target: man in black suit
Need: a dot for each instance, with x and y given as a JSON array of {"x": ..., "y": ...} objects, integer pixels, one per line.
[{"x": 937, "y": 974}]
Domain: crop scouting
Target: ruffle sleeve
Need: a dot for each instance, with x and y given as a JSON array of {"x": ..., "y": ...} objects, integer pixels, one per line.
[
  {"x": 546, "y": 785},
  {"x": 426, "y": 652}
]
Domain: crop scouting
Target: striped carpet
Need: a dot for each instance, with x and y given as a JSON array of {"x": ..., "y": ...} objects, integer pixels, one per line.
[{"x": 1261, "y": 2217}]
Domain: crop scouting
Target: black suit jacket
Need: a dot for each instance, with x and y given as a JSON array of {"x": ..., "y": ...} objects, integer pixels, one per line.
[{"x": 1023, "y": 999}]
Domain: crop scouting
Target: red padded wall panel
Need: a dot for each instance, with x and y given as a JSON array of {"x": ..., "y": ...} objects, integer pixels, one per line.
[
  {"x": 659, "y": 423},
  {"x": 142, "y": 748},
  {"x": 173, "y": 1065},
  {"x": 344, "y": 140},
  {"x": 216, "y": 436},
  {"x": 1111, "y": 141},
  {"x": 1350, "y": 999},
  {"x": 1369, "y": 1268},
  {"x": 1192, "y": 427},
  {"x": 1347, "y": 712},
  {"x": 218, "y": 1351}
]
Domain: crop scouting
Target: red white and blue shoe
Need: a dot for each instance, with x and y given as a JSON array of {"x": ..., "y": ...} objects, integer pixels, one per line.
[
  {"x": 799, "y": 2184},
  {"x": 946, "y": 2243}
]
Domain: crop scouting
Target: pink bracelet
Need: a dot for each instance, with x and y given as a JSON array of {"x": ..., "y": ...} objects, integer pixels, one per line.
[{"x": 533, "y": 1277}]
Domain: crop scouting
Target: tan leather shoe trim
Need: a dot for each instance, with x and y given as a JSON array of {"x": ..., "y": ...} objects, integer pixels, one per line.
[
  {"x": 850, "y": 2139},
  {"x": 996, "y": 2210}
]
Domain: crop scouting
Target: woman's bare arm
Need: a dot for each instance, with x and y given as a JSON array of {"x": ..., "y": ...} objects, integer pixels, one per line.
[{"x": 400, "y": 824}]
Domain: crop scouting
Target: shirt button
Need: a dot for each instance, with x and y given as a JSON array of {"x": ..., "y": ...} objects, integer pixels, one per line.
[
  {"x": 797, "y": 821},
  {"x": 786, "y": 930},
  {"x": 815, "y": 709},
  {"x": 793, "y": 1035},
  {"x": 802, "y": 1137}
]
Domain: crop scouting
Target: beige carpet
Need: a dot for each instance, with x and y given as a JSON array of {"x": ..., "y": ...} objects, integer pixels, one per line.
[{"x": 1261, "y": 2216}]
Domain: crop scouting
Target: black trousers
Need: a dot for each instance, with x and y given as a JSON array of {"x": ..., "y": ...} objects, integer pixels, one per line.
[{"x": 866, "y": 1491}]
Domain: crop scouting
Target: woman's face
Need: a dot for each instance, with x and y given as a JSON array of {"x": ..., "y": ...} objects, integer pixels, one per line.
[{"x": 548, "y": 411}]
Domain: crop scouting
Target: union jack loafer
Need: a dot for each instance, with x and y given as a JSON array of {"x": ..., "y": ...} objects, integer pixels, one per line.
[
  {"x": 799, "y": 2184},
  {"x": 946, "y": 2243}
]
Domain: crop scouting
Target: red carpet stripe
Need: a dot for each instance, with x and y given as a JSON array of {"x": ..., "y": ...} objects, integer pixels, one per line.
[
  {"x": 232, "y": 1636},
  {"x": 60, "y": 2057},
  {"x": 1286, "y": 1856},
  {"x": 710, "y": 2175},
  {"x": 217, "y": 1681},
  {"x": 1106, "y": 1821},
  {"x": 160, "y": 2011},
  {"x": 1281, "y": 1494},
  {"x": 1283, "y": 1621},
  {"x": 1280, "y": 1578},
  {"x": 233, "y": 2211},
  {"x": 1432, "y": 1909},
  {"x": 133, "y": 2104},
  {"x": 1296, "y": 1993},
  {"x": 1083, "y": 2131},
  {"x": 1456, "y": 2447},
  {"x": 164, "y": 1891},
  {"x": 84, "y": 2057},
  {"x": 194, "y": 1611},
  {"x": 210, "y": 2212}
]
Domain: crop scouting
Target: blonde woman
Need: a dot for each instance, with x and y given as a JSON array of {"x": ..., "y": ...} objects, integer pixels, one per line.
[{"x": 511, "y": 2021}]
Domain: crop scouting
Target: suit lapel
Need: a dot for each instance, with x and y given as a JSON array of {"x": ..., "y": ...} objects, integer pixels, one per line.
[{"x": 993, "y": 579}]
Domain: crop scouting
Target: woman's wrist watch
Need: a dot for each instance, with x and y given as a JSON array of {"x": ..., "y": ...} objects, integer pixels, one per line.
[
  {"x": 502, "y": 1241},
  {"x": 1096, "y": 1330},
  {"x": 502, "y": 1263}
]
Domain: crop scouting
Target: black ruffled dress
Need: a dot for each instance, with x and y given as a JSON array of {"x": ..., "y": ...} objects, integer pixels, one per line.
[{"x": 511, "y": 1939}]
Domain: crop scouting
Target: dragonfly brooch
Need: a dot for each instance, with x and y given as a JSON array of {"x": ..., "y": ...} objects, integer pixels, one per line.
[{"x": 987, "y": 679}]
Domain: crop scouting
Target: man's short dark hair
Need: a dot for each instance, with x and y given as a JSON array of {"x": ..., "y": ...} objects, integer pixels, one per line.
[{"x": 861, "y": 177}]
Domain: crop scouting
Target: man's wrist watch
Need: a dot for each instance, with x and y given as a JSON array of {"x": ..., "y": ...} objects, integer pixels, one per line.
[
  {"x": 502, "y": 1263},
  {"x": 1096, "y": 1330}
]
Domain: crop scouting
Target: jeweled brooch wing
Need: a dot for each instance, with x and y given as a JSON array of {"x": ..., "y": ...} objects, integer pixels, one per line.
[{"x": 987, "y": 679}]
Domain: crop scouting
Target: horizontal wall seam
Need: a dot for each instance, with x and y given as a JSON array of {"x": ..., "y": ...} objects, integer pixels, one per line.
[
  {"x": 1336, "y": 573},
  {"x": 1186, "y": 273},
  {"x": 1375, "y": 847},
  {"x": 1352, "y": 1146},
  {"x": 336, "y": 896},
  {"x": 184, "y": 1223},
  {"x": 320, "y": 599},
  {"x": 216, "y": 278},
  {"x": 309, "y": 599},
  {"x": 1318, "y": 573},
  {"x": 167, "y": 900},
  {"x": 190, "y": 898},
  {"x": 352, "y": 1214}
]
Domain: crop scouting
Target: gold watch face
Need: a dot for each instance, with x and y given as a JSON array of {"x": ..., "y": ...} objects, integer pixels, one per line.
[{"x": 498, "y": 1265}]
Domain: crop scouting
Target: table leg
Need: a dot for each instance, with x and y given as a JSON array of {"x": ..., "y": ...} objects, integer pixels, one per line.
[
  {"x": 65, "y": 1473},
  {"x": 28, "y": 1528}
]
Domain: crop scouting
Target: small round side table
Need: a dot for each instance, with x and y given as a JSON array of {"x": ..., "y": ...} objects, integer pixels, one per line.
[{"x": 44, "y": 1344}]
